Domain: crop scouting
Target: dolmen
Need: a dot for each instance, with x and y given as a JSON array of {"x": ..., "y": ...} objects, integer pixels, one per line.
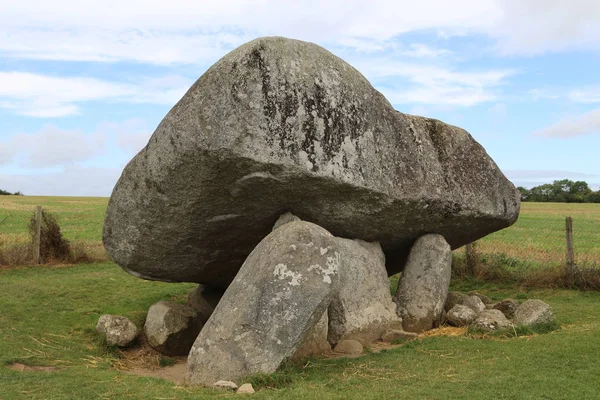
[{"x": 283, "y": 180}]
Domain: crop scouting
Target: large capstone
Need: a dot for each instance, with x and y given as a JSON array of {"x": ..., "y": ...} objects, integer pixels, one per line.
[
  {"x": 282, "y": 290},
  {"x": 283, "y": 125}
]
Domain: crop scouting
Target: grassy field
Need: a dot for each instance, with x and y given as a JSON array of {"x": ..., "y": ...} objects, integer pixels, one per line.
[
  {"x": 538, "y": 236},
  {"x": 48, "y": 314}
]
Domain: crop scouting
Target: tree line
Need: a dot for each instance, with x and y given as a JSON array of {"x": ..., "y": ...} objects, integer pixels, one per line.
[
  {"x": 5, "y": 193},
  {"x": 561, "y": 191}
]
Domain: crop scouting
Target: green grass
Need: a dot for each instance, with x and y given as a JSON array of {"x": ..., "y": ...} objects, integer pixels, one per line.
[
  {"x": 48, "y": 315},
  {"x": 539, "y": 234},
  {"x": 80, "y": 218}
]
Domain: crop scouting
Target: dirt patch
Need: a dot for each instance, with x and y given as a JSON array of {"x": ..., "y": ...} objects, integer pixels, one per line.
[
  {"x": 143, "y": 360},
  {"x": 174, "y": 373},
  {"x": 31, "y": 368}
]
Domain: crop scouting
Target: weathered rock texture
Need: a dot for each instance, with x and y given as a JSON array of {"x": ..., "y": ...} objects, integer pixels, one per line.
[
  {"x": 508, "y": 307},
  {"x": 203, "y": 300},
  {"x": 171, "y": 328},
  {"x": 423, "y": 286},
  {"x": 491, "y": 320},
  {"x": 533, "y": 312},
  {"x": 314, "y": 341},
  {"x": 453, "y": 299},
  {"x": 474, "y": 303},
  {"x": 279, "y": 294},
  {"x": 460, "y": 315},
  {"x": 349, "y": 347},
  {"x": 119, "y": 331},
  {"x": 284, "y": 125},
  {"x": 363, "y": 308}
]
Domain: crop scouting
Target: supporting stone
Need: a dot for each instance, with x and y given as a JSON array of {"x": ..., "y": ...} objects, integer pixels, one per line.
[{"x": 423, "y": 286}]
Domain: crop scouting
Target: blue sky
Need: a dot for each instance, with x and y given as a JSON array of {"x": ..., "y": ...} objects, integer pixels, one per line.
[{"x": 83, "y": 84}]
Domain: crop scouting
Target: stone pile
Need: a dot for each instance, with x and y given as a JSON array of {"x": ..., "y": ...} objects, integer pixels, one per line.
[
  {"x": 471, "y": 310},
  {"x": 290, "y": 189}
]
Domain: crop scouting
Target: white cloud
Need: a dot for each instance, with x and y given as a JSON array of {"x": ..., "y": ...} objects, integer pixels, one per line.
[
  {"x": 130, "y": 136},
  {"x": 52, "y": 146},
  {"x": 46, "y": 96},
  {"x": 186, "y": 31},
  {"x": 418, "y": 50},
  {"x": 73, "y": 180},
  {"x": 426, "y": 84},
  {"x": 583, "y": 124},
  {"x": 518, "y": 174},
  {"x": 588, "y": 95},
  {"x": 538, "y": 26}
]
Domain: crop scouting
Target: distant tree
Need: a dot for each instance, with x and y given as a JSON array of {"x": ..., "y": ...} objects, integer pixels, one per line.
[
  {"x": 592, "y": 197},
  {"x": 525, "y": 193},
  {"x": 561, "y": 191}
]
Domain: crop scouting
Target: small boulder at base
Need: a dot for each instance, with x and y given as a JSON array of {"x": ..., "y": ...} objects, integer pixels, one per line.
[
  {"x": 508, "y": 307},
  {"x": 315, "y": 341},
  {"x": 392, "y": 335},
  {"x": 281, "y": 291},
  {"x": 246, "y": 388},
  {"x": 363, "y": 308},
  {"x": 225, "y": 385},
  {"x": 119, "y": 331},
  {"x": 533, "y": 312},
  {"x": 485, "y": 299},
  {"x": 349, "y": 347},
  {"x": 453, "y": 299},
  {"x": 423, "y": 286},
  {"x": 204, "y": 299},
  {"x": 491, "y": 320},
  {"x": 474, "y": 303},
  {"x": 171, "y": 328},
  {"x": 460, "y": 315}
]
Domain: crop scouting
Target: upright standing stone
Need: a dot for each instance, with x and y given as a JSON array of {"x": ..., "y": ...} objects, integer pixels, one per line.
[
  {"x": 279, "y": 294},
  {"x": 363, "y": 309},
  {"x": 423, "y": 286}
]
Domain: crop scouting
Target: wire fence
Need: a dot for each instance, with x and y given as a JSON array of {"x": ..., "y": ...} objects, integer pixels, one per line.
[{"x": 539, "y": 238}]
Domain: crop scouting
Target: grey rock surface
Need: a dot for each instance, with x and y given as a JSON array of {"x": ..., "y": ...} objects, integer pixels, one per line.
[
  {"x": 171, "y": 328},
  {"x": 349, "y": 347},
  {"x": 246, "y": 388},
  {"x": 423, "y": 286},
  {"x": 225, "y": 385},
  {"x": 491, "y": 320},
  {"x": 283, "y": 288},
  {"x": 485, "y": 299},
  {"x": 508, "y": 307},
  {"x": 474, "y": 303},
  {"x": 284, "y": 219},
  {"x": 314, "y": 341},
  {"x": 533, "y": 312},
  {"x": 118, "y": 330},
  {"x": 203, "y": 300},
  {"x": 460, "y": 315},
  {"x": 453, "y": 299},
  {"x": 397, "y": 334},
  {"x": 363, "y": 308},
  {"x": 283, "y": 125}
]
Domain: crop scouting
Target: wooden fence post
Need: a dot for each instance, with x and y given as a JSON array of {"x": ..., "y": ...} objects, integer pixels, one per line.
[
  {"x": 470, "y": 258},
  {"x": 38, "y": 233},
  {"x": 570, "y": 251}
]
